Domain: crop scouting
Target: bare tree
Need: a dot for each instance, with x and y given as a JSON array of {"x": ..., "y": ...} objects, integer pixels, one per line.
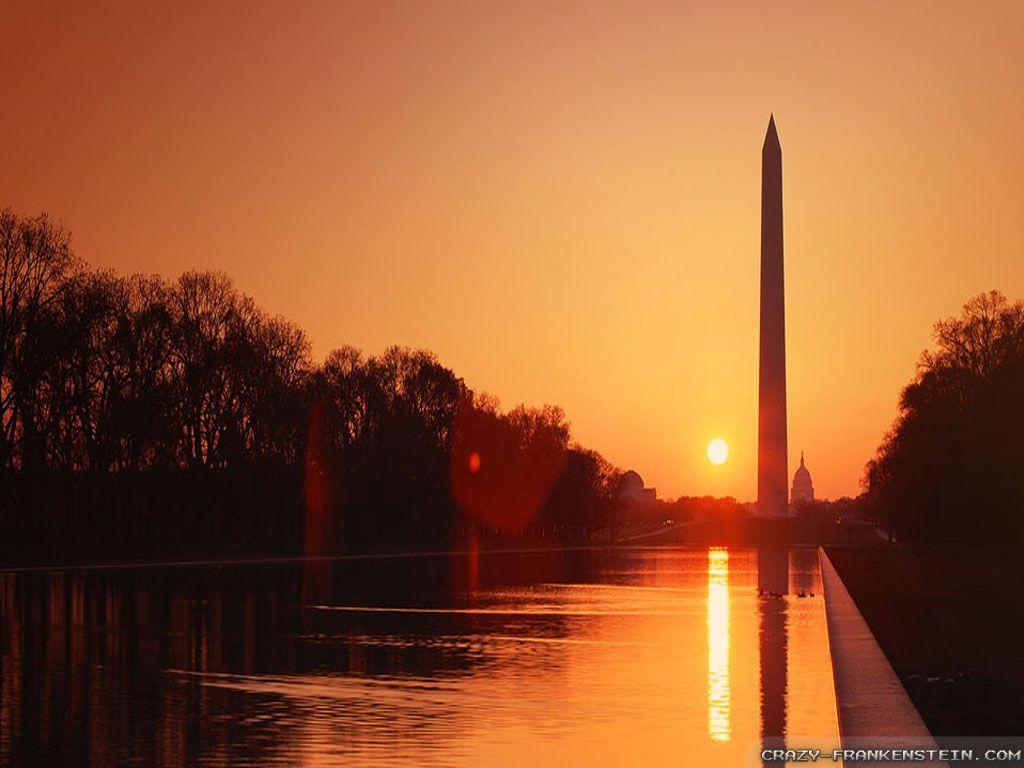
[{"x": 35, "y": 258}]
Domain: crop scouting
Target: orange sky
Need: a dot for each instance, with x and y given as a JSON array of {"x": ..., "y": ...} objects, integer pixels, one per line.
[{"x": 560, "y": 199}]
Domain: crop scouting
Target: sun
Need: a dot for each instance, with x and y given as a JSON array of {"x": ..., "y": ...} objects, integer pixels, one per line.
[{"x": 718, "y": 451}]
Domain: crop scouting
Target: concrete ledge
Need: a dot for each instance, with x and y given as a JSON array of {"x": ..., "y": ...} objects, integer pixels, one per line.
[{"x": 873, "y": 707}]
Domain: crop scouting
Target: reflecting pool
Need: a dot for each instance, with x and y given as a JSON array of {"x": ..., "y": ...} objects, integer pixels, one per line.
[{"x": 606, "y": 657}]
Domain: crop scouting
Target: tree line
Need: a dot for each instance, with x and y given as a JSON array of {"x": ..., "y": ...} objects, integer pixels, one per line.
[
  {"x": 140, "y": 415},
  {"x": 146, "y": 416},
  {"x": 952, "y": 466}
]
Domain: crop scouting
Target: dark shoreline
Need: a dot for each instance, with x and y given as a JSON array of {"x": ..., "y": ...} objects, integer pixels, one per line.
[
  {"x": 751, "y": 532},
  {"x": 950, "y": 620},
  {"x": 258, "y": 559}
]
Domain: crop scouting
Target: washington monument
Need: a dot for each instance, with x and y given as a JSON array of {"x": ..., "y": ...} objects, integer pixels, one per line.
[{"x": 772, "y": 500}]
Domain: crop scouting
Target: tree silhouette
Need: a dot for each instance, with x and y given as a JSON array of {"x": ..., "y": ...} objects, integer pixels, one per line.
[
  {"x": 35, "y": 259},
  {"x": 150, "y": 417},
  {"x": 949, "y": 468}
]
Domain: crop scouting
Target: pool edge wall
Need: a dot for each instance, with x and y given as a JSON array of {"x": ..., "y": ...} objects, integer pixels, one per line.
[{"x": 872, "y": 706}]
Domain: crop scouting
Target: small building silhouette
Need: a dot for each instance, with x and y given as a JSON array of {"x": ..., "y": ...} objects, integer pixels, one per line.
[
  {"x": 803, "y": 488},
  {"x": 632, "y": 490}
]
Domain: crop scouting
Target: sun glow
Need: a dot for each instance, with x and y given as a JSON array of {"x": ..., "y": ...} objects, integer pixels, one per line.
[{"x": 718, "y": 451}]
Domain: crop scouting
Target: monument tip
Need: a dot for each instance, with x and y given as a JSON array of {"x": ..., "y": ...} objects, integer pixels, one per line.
[{"x": 771, "y": 137}]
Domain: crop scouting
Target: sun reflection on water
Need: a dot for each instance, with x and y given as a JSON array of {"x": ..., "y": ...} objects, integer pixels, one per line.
[{"x": 719, "y": 727}]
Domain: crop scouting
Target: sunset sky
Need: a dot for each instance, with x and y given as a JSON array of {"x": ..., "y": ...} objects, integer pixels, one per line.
[{"x": 561, "y": 200}]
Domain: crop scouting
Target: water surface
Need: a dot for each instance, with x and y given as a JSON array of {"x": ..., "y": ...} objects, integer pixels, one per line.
[{"x": 585, "y": 657}]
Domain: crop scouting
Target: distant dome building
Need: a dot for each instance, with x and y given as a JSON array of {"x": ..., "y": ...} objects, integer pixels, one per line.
[
  {"x": 632, "y": 490},
  {"x": 803, "y": 488}
]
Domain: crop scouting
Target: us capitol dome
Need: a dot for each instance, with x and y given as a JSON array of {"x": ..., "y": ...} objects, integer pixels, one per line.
[{"x": 803, "y": 489}]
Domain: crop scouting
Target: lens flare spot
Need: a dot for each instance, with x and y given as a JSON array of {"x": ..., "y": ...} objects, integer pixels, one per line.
[{"x": 474, "y": 462}]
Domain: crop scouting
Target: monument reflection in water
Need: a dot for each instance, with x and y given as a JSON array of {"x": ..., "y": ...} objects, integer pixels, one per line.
[{"x": 577, "y": 658}]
